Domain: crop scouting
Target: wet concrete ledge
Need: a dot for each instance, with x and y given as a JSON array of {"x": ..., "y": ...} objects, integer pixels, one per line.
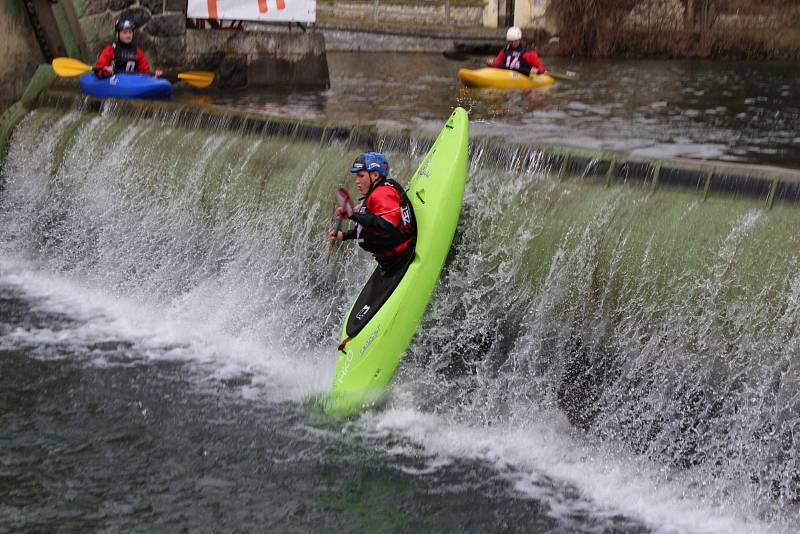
[
  {"x": 369, "y": 36},
  {"x": 764, "y": 184}
]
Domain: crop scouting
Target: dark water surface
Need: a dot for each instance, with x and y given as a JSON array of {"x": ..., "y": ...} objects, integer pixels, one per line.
[
  {"x": 98, "y": 434},
  {"x": 733, "y": 111}
]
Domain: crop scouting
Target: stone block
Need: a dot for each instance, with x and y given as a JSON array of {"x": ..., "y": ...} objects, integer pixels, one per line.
[
  {"x": 170, "y": 25},
  {"x": 156, "y": 7},
  {"x": 99, "y": 30},
  {"x": 145, "y": 42},
  {"x": 139, "y": 15},
  {"x": 93, "y": 7},
  {"x": 117, "y": 5},
  {"x": 174, "y": 5},
  {"x": 170, "y": 51}
]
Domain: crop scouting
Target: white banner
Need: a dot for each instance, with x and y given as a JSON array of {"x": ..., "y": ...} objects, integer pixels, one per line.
[{"x": 265, "y": 10}]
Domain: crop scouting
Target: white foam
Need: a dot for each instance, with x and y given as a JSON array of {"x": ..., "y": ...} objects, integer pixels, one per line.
[
  {"x": 547, "y": 458},
  {"x": 159, "y": 333}
]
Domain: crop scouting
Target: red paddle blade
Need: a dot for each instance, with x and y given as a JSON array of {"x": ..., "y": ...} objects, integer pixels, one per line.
[{"x": 344, "y": 201}]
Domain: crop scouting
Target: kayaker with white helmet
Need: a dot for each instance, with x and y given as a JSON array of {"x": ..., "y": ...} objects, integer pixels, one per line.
[{"x": 517, "y": 55}]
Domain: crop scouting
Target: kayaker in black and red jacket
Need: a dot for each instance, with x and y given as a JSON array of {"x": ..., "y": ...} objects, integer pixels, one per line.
[
  {"x": 122, "y": 55},
  {"x": 517, "y": 55},
  {"x": 385, "y": 224}
]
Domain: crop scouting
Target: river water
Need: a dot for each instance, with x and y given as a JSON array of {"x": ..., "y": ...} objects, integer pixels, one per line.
[
  {"x": 731, "y": 111},
  {"x": 115, "y": 419},
  {"x": 594, "y": 359}
]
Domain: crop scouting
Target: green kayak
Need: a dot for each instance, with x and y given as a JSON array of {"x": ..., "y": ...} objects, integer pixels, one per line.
[{"x": 382, "y": 320}]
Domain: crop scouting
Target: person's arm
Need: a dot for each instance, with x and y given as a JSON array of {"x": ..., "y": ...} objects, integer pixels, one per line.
[
  {"x": 375, "y": 223},
  {"x": 144, "y": 65},
  {"x": 103, "y": 65},
  {"x": 534, "y": 60},
  {"x": 496, "y": 62},
  {"x": 141, "y": 59}
]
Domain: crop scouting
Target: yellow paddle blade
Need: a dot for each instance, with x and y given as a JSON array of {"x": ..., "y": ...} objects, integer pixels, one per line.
[
  {"x": 68, "y": 67},
  {"x": 569, "y": 75},
  {"x": 197, "y": 78}
]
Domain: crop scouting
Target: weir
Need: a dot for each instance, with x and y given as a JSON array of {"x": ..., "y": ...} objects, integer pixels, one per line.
[{"x": 655, "y": 303}]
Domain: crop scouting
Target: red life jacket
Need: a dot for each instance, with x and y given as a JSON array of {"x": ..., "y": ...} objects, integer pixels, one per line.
[{"x": 385, "y": 231}]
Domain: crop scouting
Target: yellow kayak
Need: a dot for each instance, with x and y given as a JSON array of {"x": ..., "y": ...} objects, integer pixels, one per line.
[{"x": 503, "y": 79}]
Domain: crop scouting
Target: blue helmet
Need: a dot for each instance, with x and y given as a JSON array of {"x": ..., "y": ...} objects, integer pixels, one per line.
[{"x": 372, "y": 161}]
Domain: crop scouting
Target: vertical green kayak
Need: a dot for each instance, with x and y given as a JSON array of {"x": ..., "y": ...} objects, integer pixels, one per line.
[{"x": 382, "y": 321}]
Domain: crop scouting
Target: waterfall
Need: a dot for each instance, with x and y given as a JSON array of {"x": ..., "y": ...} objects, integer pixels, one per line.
[{"x": 654, "y": 320}]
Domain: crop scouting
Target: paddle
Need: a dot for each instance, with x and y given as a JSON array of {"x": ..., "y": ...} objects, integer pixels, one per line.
[
  {"x": 344, "y": 201},
  {"x": 69, "y": 67},
  {"x": 456, "y": 55}
]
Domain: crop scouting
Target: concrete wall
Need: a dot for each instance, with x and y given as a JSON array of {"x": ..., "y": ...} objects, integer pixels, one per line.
[
  {"x": 460, "y": 14},
  {"x": 20, "y": 51},
  {"x": 266, "y": 58}
]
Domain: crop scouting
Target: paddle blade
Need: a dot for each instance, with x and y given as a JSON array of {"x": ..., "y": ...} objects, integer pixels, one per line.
[
  {"x": 69, "y": 67},
  {"x": 197, "y": 78},
  {"x": 568, "y": 76},
  {"x": 344, "y": 201}
]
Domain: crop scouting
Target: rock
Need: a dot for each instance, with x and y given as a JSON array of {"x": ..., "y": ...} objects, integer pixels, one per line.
[
  {"x": 93, "y": 7},
  {"x": 138, "y": 15},
  {"x": 174, "y": 5},
  {"x": 156, "y": 7},
  {"x": 171, "y": 25},
  {"x": 99, "y": 30},
  {"x": 171, "y": 51},
  {"x": 116, "y": 5},
  {"x": 146, "y": 43}
]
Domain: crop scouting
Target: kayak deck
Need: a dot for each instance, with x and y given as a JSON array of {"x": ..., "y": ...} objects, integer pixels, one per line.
[
  {"x": 503, "y": 79},
  {"x": 126, "y": 86}
]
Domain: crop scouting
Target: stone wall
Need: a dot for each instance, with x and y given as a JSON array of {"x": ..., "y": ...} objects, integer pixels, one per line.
[
  {"x": 21, "y": 53},
  {"x": 269, "y": 55},
  {"x": 160, "y": 26}
]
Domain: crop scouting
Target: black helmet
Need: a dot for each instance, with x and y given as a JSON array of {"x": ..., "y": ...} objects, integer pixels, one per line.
[{"x": 124, "y": 24}]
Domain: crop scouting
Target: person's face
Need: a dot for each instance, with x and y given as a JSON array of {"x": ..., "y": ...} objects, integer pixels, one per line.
[
  {"x": 126, "y": 36},
  {"x": 364, "y": 180},
  {"x": 515, "y": 44}
]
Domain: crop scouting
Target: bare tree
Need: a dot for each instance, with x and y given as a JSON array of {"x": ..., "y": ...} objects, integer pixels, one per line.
[{"x": 591, "y": 27}]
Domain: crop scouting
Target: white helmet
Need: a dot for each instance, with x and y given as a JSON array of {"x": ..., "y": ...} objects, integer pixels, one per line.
[{"x": 513, "y": 34}]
